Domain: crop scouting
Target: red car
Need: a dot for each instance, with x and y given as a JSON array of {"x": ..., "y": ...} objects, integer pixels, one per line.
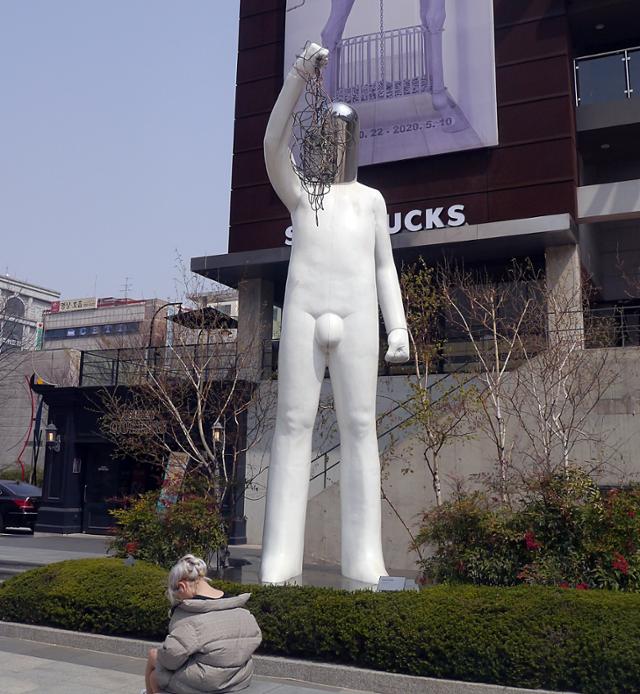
[{"x": 19, "y": 503}]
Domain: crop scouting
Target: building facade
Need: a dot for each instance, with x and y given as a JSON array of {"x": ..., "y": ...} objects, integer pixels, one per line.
[
  {"x": 104, "y": 323},
  {"x": 22, "y": 306},
  {"x": 94, "y": 343},
  {"x": 561, "y": 187}
]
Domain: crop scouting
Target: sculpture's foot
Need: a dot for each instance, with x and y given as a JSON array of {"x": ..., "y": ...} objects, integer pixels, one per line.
[
  {"x": 446, "y": 107},
  {"x": 455, "y": 121},
  {"x": 279, "y": 569},
  {"x": 365, "y": 570}
]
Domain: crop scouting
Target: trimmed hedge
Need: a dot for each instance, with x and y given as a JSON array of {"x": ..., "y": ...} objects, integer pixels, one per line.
[
  {"x": 101, "y": 596},
  {"x": 537, "y": 637}
]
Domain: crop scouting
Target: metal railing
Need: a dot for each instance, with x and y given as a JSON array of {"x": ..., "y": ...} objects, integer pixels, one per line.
[
  {"x": 383, "y": 66},
  {"x": 612, "y": 326},
  {"x": 454, "y": 355},
  {"x": 128, "y": 366},
  {"x": 604, "y": 77},
  {"x": 603, "y": 325}
]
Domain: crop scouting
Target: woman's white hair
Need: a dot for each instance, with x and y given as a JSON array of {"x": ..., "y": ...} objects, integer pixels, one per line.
[{"x": 189, "y": 568}]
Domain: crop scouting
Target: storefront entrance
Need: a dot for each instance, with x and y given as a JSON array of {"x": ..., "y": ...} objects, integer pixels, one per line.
[{"x": 106, "y": 481}]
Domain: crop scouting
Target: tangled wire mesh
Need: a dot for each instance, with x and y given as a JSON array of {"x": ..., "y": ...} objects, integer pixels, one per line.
[{"x": 320, "y": 145}]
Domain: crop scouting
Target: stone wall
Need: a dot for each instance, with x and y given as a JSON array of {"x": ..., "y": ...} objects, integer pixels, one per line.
[{"x": 59, "y": 367}]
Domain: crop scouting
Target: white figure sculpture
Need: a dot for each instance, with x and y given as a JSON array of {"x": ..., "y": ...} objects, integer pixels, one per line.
[{"x": 338, "y": 272}]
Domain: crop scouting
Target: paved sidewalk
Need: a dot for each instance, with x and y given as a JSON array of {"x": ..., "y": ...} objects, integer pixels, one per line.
[
  {"x": 20, "y": 552},
  {"x": 28, "y": 667}
]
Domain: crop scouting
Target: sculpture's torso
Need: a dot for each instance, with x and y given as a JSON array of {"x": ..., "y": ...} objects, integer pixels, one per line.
[{"x": 332, "y": 266}]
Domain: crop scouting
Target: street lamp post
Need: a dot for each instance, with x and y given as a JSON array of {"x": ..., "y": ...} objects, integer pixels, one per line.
[
  {"x": 53, "y": 439},
  {"x": 153, "y": 320}
]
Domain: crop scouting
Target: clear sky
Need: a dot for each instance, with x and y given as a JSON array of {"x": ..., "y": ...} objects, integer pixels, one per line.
[{"x": 116, "y": 126}]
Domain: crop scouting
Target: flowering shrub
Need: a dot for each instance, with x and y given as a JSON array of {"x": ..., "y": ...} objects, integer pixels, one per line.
[
  {"x": 565, "y": 532},
  {"x": 190, "y": 525}
]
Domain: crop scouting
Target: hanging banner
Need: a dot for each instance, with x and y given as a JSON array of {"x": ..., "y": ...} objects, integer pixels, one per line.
[
  {"x": 420, "y": 73},
  {"x": 174, "y": 472}
]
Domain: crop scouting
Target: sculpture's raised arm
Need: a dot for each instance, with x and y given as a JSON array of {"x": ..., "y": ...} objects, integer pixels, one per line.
[{"x": 277, "y": 153}]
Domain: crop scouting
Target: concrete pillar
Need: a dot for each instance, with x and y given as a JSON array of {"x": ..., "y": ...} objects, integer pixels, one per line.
[
  {"x": 564, "y": 294},
  {"x": 255, "y": 320}
]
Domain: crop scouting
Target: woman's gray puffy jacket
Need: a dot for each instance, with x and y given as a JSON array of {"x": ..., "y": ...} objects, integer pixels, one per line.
[{"x": 209, "y": 647}]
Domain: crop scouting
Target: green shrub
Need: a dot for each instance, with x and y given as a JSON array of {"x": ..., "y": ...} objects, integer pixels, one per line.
[
  {"x": 190, "y": 525},
  {"x": 538, "y": 637},
  {"x": 102, "y": 596},
  {"x": 564, "y": 533}
]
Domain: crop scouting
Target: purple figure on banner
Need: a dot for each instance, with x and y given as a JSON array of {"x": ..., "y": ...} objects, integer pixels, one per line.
[{"x": 382, "y": 63}]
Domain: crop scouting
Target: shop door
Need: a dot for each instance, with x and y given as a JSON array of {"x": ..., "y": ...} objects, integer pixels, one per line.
[{"x": 100, "y": 490}]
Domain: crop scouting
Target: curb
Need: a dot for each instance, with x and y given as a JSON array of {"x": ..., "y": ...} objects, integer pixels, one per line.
[
  {"x": 13, "y": 567},
  {"x": 326, "y": 674}
]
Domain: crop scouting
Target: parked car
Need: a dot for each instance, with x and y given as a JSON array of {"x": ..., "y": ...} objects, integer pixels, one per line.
[{"x": 19, "y": 504}]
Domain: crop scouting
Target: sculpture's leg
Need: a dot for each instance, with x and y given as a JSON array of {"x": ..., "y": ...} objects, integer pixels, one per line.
[
  {"x": 301, "y": 365},
  {"x": 433, "y": 15},
  {"x": 332, "y": 35},
  {"x": 353, "y": 365}
]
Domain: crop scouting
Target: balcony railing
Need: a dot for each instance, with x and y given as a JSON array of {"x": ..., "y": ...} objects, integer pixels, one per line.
[
  {"x": 127, "y": 367},
  {"x": 613, "y": 326},
  {"x": 604, "y": 327},
  {"x": 605, "y": 77}
]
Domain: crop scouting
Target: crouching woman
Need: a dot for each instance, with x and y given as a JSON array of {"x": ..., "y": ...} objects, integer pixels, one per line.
[{"x": 211, "y": 638}]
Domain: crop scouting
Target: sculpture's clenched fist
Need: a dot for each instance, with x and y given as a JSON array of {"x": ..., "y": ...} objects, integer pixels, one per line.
[
  {"x": 398, "y": 351},
  {"x": 314, "y": 57}
]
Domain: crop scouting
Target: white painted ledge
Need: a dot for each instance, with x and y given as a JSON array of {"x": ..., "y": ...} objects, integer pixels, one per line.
[{"x": 609, "y": 201}]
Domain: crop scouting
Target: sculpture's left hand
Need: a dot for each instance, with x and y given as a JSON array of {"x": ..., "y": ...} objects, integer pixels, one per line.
[{"x": 398, "y": 351}]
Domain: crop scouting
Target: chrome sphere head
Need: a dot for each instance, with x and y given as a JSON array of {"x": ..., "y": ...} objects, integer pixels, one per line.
[{"x": 346, "y": 124}]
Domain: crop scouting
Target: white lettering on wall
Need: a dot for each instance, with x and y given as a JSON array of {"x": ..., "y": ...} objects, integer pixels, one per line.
[
  {"x": 409, "y": 224},
  {"x": 433, "y": 218},
  {"x": 456, "y": 216},
  {"x": 415, "y": 220}
]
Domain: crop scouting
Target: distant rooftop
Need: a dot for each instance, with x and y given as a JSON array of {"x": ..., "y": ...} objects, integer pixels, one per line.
[{"x": 6, "y": 281}]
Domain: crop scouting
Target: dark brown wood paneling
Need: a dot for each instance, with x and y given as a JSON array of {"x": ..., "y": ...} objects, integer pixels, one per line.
[
  {"x": 532, "y": 172},
  {"x": 248, "y": 169},
  {"x": 251, "y": 7},
  {"x": 535, "y": 121},
  {"x": 526, "y": 42},
  {"x": 429, "y": 177},
  {"x": 261, "y": 29},
  {"x": 249, "y": 132},
  {"x": 260, "y": 62},
  {"x": 533, "y": 164},
  {"x": 539, "y": 79},
  {"x": 534, "y": 201},
  {"x": 256, "y": 203},
  {"x": 267, "y": 234},
  {"x": 517, "y": 11},
  {"x": 257, "y": 97}
]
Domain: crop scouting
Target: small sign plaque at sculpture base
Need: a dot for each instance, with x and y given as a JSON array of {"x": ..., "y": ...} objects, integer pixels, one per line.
[{"x": 391, "y": 583}]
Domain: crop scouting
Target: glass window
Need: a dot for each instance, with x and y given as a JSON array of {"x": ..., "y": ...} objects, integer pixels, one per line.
[
  {"x": 602, "y": 79},
  {"x": 634, "y": 73},
  {"x": 11, "y": 334},
  {"x": 14, "y": 307}
]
